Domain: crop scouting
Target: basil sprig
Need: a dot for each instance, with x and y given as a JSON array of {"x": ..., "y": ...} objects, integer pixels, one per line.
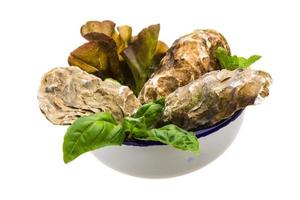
[
  {"x": 99, "y": 130},
  {"x": 234, "y": 62},
  {"x": 88, "y": 133}
]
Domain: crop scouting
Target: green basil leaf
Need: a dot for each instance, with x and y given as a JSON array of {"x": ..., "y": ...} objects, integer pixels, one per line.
[
  {"x": 139, "y": 127},
  {"x": 131, "y": 123},
  {"x": 91, "y": 132},
  {"x": 251, "y": 60},
  {"x": 234, "y": 62},
  {"x": 171, "y": 135},
  {"x": 151, "y": 111},
  {"x": 223, "y": 57},
  {"x": 147, "y": 116}
]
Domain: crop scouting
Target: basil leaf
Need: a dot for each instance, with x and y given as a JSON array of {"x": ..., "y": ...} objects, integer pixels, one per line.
[
  {"x": 147, "y": 116},
  {"x": 139, "y": 127},
  {"x": 91, "y": 132},
  {"x": 234, "y": 62},
  {"x": 251, "y": 60},
  {"x": 171, "y": 135},
  {"x": 131, "y": 123},
  {"x": 151, "y": 111},
  {"x": 223, "y": 57},
  {"x": 99, "y": 130}
]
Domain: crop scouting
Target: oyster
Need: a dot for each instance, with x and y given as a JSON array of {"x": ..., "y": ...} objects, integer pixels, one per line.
[
  {"x": 215, "y": 96},
  {"x": 189, "y": 57},
  {"x": 68, "y": 93}
]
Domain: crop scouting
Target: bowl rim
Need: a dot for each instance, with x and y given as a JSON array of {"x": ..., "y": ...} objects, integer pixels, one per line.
[{"x": 199, "y": 133}]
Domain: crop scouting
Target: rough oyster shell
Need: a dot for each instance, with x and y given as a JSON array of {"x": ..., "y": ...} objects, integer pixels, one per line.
[
  {"x": 215, "y": 96},
  {"x": 188, "y": 58},
  {"x": 68, "y": 93}
]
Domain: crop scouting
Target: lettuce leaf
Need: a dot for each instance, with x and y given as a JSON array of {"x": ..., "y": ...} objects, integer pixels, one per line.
[
  {"x": 115, "y": 53},
  {"x": 140, "y": 55},
  {"x": 92, "y": 29},
  {"x": 98, "y": 56}
]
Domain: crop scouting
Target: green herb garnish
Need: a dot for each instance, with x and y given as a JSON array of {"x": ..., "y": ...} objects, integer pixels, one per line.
[
  {"x": 88, "y": 133},
  {"x": 92, "y": 132},
  {"x": 234, "y": 62}
]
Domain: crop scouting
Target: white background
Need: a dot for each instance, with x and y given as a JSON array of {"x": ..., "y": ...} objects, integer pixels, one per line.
[{"x": 262, "y": 163}]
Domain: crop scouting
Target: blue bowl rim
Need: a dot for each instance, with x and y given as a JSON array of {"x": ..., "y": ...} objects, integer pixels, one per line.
[{"x": 199, "y": 133}]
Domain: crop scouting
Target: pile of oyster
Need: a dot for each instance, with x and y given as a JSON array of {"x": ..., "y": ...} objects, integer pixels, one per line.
[{"x": 117, "y": 72}]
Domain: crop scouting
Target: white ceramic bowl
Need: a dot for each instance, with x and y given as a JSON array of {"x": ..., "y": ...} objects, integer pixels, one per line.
[{"x": 155, "y": 160}]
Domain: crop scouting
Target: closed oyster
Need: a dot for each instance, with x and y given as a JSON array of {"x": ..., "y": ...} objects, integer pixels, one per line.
[
  {"x": 215, "y": 96},
  {"x": 68, "y": 93},
  {"x": 189, "y": 57}
]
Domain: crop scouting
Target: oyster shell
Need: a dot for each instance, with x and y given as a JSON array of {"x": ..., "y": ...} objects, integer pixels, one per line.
[
  {"x": 188, "y": 58},
  {"x": 68, "y": 93},
  {"x": 215, "y": 96}
]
